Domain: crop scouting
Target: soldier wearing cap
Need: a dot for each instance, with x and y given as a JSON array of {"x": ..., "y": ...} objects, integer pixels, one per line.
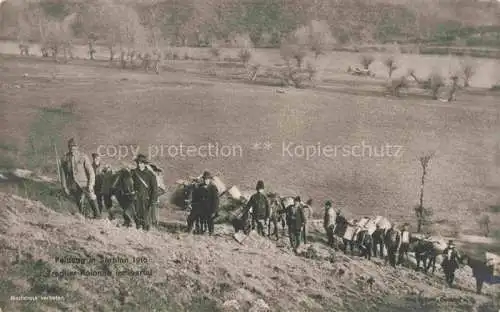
[
  {"x": 391, "y": 240},
  {"x": 450, "y": 262},
  {"x": 295, "y": 220},
  {"x": 329, "y": 222},
  {"x": 378, "y": 241},
  {"x": 102, "y": 196},
  {"x": 78, "y": 178},
  {"x": 404, "y": 245},
  {"x": 259, "y": 205},
  {"x": 146, "y": 192},
  {"x": 205, "y": 203}
]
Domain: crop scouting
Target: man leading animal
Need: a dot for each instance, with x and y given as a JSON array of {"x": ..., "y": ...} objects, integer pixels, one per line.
[{"x": 78, "y": 178}]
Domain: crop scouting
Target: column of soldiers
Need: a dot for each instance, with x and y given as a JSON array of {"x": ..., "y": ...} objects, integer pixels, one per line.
[{"x": 84, "y": 181}]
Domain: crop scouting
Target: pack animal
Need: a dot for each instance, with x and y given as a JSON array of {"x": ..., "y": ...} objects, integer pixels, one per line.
[
  {"x": 122, "y": 187},
  {"x": 480, "y": 271},
  {"x": 425, "y": 253}
]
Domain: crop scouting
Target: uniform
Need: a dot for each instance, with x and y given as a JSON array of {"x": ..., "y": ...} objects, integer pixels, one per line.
[
  {"x": 378, "y": 241},
  {"x": 450, "y": 263},
  {"x": 329, "y": 223},
  {"x": 405, "y": 245},
  {"x": 146, "y": 195},
  {"x": 392, "y": 239},
  {"x": 206, "y": 202},
  {"x": 78, "y": 179},
  {"x": 260, "y": 210},
  {"x": 295, "y": 220},
  {"x": 102, "y": 197}
]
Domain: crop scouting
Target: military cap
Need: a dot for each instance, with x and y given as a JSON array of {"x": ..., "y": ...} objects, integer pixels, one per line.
[
  {"x": 141, "y": 158},
  {"x": 260, "y": 185}
]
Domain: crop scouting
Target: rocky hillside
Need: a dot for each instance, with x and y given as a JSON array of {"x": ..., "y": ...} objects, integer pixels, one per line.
[{"x": 72, "y": 264}]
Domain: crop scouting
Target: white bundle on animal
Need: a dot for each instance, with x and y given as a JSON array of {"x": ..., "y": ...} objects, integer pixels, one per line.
[
  {"x": 221, "y": 187},
  {"x": 363, "y": 222},
  {"x": 234, "y": 192},
  {"x": 371, "y": 225},
  {"x": 493, "y": 260},
  {"x": 349, "y": 232},
  {"x": 287, "y": 202}
]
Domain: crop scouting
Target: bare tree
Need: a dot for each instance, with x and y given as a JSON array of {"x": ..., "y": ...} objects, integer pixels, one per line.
[
  {"x": 215, "y": 49},
  {"x": 484, "y": 224},
  {"x": 436, "y": 82},
  {"x": 366, "y": 61},
  {"x": 320, "y": 37},
  {"x": 454, "y": 88},
  {"x": 468, "y": 69},
  {"x": 118, "y": 26},
  {"x": 421, "y": 212},
  {"x": 390, "y": 63}
]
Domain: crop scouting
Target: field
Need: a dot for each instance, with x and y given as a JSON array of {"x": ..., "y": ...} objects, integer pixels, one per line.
[
  {"x": 185, "y": 105},
  {"x": 205, "y": 102}
]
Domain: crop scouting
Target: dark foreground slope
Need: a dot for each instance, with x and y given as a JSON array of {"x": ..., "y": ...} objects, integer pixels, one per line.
[{"x": 190, "y": 273}]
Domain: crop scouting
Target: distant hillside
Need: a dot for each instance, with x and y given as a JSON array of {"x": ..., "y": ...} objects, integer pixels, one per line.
[{"x": 194, "y": 22}]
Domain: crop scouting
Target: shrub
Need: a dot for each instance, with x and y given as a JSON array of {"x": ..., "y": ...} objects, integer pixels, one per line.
[
  {"x": 390, "y": 63},
  {"x": 291, "y": 51},
  {"x": 245, "y": 55},
  {"x": 435, "y": 82},
  {"x": 366, "y": 60},
  {"x": 311, "y": 70},
  {"x": 467, "y": 69}
]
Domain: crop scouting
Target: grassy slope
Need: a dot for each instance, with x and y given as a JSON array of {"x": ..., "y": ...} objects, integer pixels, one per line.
[{"x": 195, "y": 274}]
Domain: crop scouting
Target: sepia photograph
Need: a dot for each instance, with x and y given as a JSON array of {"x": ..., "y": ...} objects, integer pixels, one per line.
[{"x": 250, "y": 155}]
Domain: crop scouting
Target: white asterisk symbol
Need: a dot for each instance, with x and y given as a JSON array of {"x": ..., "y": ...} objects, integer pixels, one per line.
[
  {"x": 268, "y": 146},
  {"x": 257, "y": 146}
]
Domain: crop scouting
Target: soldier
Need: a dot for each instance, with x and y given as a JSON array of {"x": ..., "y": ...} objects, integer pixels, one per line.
[
  {"x": 450, "y": 262},
  {"x": 307, "y": 214},
  {"x": 78, "y": 178},
  {"x": 146, "y": 191},
  {"x": 206, "y": 198},
  {"x": 260, "y": 208},
  {"x": 295, "y": 221},
  {"x": 405, "y": 243},
  {"x": 392, "y": 239},
  {"x": 329, "y": 223},
  {"x": 102, "y": 197},
  {"x": 194, "y": 213},
  {"x": 378, "y": 241}
]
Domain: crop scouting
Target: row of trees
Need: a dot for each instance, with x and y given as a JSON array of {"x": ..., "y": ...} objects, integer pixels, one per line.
[{"x": 265, "y": 21}]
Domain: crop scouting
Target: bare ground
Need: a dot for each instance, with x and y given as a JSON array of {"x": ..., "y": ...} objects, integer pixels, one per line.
[{"x": 103, "y": 106}]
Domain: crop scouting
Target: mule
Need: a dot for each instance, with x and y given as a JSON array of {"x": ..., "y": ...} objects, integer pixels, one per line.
[
  {"x": 359, "y": 238},
  {"x": 425, "y": 252},
  {"x": 195, "y": 217},
  {"x": 480, "y": 271},
  {"x": 378, "y": 242},
  {"x": 364, "y": 242},
  {"x": 122, "y": 188}
]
